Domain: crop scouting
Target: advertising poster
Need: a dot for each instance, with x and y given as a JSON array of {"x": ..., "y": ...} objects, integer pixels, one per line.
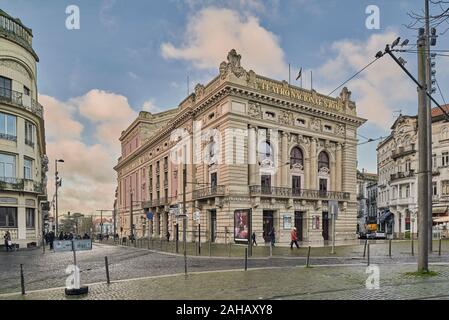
[{"x": 241, "y": 225}]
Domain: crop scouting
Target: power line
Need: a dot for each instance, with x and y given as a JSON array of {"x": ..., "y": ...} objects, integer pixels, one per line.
[
  {"x": 355, "y": 75},
  {"x": 439, "y": 89}
]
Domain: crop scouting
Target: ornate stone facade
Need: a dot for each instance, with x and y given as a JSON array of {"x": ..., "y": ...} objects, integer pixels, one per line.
[{"x": 283, "y": 153}]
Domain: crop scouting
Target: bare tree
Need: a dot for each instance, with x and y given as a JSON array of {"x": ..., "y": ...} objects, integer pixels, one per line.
[{"x": 436, "y": 20}]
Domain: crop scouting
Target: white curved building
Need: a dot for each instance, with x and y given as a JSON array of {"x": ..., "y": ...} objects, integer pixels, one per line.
[{"x": 23, "y": 163}]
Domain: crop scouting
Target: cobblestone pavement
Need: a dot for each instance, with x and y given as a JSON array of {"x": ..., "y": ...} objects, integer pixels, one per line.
[
  {"x": 298, "y": 283},
  {"x": 42, "y": 271}
]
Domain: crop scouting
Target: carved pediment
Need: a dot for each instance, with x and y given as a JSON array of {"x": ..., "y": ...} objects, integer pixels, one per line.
[
  {"x": 232, "y": 66},
  {"x": 324, "y": 171}
]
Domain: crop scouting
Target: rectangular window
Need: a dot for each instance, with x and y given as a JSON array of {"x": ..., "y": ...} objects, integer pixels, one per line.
[
  {"x": 327, "y": 128},
  {"x": 5, "y": 87},
  {"x": 7, "y": 126},
  {"x": 29, "y": 133},
  {"x": 323, "y": 185},
  {"x": 445, "y": 188},
  {"x": 408, "y": 166},
  {"x": 434, "y": 188},
  {"x": 434, "y": 161},
  {"x": 300, "y": 122},
  {"x": 7, "y": 166},
  {"x": 8, "y": 217},
  {"x": 30, "y": 218},
  {"x": 26, "y": 91},
  {"x": 445, "y": 159},
  {"x": 28, "y": 169},
  {"x": 265, "y": 181}
]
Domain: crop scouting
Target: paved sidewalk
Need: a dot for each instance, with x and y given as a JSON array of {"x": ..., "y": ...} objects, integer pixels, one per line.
[{"x": 317, "y": 283}]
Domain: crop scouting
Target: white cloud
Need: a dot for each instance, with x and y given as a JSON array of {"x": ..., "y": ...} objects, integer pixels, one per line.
[
  {"x": 379, "y": 90},
  {"x": 213, "y": 31},
  {"x": 150, "y": 106},
  {"x": 90, "y": 151}
]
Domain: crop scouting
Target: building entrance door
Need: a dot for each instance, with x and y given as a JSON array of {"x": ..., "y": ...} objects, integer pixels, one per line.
[
  {"x": 299, "y": 216},
  {"x": 325, "y": 226},
  {"x": 268, "y": 224}
]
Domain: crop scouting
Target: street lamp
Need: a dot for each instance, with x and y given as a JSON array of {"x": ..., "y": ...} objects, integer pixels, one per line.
[{"x": 57, "y": 185}]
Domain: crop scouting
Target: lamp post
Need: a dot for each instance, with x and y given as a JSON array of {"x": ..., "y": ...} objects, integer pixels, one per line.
[{"x": 57, "y": 185}]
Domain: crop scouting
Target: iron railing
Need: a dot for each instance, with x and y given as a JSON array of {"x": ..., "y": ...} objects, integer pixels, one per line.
[
  {"x": 16, "y": 98},
  {"x": 297, "y": 193},
  {"x": 10, "y": 183},
  {"x": 209, "y": 192}
]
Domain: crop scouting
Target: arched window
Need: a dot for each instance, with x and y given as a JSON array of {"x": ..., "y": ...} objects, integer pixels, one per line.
[
  {"x": 323, "y": 160},
  {"x": 265, "y": 151},
  {"x": 296, "y": 157}
]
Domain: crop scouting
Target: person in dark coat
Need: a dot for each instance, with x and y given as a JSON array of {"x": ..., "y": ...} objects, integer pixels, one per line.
[
  {"x": 272, "y": 236},
  {"x": 168, "y": 236},
  {"x": 253, "y": 239},
  {"x": 7, "y": 238},
  {"x": 51, "y": 239},
  {"x": 61, "y": 235}
]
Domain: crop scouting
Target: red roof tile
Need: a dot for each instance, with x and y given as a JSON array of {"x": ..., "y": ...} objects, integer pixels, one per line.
[{"x": 437, "y": 111}]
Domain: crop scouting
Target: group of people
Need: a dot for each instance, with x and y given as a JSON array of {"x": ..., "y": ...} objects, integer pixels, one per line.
[
  {"x": 272, "y": 238},
  {"x": 50, "y": 237}
]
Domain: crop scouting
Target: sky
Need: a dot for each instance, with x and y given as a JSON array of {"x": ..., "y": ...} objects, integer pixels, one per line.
[{"x": 135, "y": 55}]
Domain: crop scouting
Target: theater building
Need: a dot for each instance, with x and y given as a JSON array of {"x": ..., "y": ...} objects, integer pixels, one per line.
[
  {"x": 23, "y": 163},
  {"x": 260, "y": 155}
]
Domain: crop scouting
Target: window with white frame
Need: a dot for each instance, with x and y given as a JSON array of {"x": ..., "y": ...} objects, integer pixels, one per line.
[
  {"x": 445, "y": 133},
  {"x": 29, "y": 133},
  {"x": 8, "y": 126},
  {"x": 445, "y": 187},
  {"x": 434, "y": 188},
  {"x": 7, "y": 166},
  {"x": 30, "y": 218},
  {"x": 434, "y": 161},
  {"x": 445, "y": 159},
  {"x": 27, "y": 169}
]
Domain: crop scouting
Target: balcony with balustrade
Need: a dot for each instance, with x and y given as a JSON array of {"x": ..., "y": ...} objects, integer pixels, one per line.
[
  {"x": 18, "y": 99},
  {"x": 403, "y": 151},
  {"x": 280, "y": 192},
  {"x": 402, "y": 175},
  {"x": 24, "y": 185},
  {"x": 209, "y": 192}
]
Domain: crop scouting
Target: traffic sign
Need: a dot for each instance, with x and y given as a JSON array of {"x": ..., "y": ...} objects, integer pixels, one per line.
[
  {"x": 196, "y": 216},
  {"x": 150, "y": 215},
  {"x": 78, "y": 245}
]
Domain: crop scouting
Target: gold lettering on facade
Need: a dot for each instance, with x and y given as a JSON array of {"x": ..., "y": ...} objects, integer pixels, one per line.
[{"x": 297, "y": 94}]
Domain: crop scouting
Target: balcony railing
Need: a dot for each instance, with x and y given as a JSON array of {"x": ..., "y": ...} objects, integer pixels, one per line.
[
  {"x": 19, "y": 100},
  {"x": 403, "y": 151},
  {"x": 402, "y": 175},
  {"x": 9, "y": 137},
  {"x": 16, "y": 184},
  {"x": 297, "y": 193},
  {"x": 209, "y": 192}
]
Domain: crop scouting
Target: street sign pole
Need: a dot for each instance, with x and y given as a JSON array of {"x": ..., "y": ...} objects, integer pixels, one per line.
[{"x": 333, "y": 206}]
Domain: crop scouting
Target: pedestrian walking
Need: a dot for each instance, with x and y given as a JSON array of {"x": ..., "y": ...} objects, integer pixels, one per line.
[
  {"x": 61, "y": 235},
  {"x": 294, "y": 238},
  {"x": 8, "y": 242},
  {"x": 272, "y": 236},
  {"x": 253, "y": 239},
  {"x": 51, "y": 239},
  {"x": 168, "y": 236}
]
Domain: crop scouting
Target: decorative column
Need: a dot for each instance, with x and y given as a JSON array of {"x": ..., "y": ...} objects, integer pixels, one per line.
[
  {"x": 338, "y": 174},
  {"x": 284, "y": 160},
  {"x": 313, "y": 165},
  {"x": 333, "y": 183},
  {"x": 252, "y": 157}
]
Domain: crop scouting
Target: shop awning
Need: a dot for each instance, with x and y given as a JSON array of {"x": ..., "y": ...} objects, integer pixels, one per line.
[
  {"x": 439, "y": 210},
  {"x": 385, "y": 216},
  {"x": 441, "y": 219}
]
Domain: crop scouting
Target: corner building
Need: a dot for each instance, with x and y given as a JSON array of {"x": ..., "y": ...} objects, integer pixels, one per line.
[
  {"x": 23, "y": 163},
  {"x": 259, "y": 152}
]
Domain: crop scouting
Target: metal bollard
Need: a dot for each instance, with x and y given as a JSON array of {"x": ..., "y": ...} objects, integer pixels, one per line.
[
  {"x": 413, "y": 247},
  {"x": 439, "y": 247},
  {"x": 308, "y": 257},
  {"x": 106, "y": 264},
  {"x": 210, "y": 248},
  {"x": 389, "y": 248},
  {"x": 368, "y": 255},
  {"x": 246, "y": 259},
  {"x": 364, "y": 248},
  {"x": 271, "y": 250},
  {"x": 22, "y": 279}
]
